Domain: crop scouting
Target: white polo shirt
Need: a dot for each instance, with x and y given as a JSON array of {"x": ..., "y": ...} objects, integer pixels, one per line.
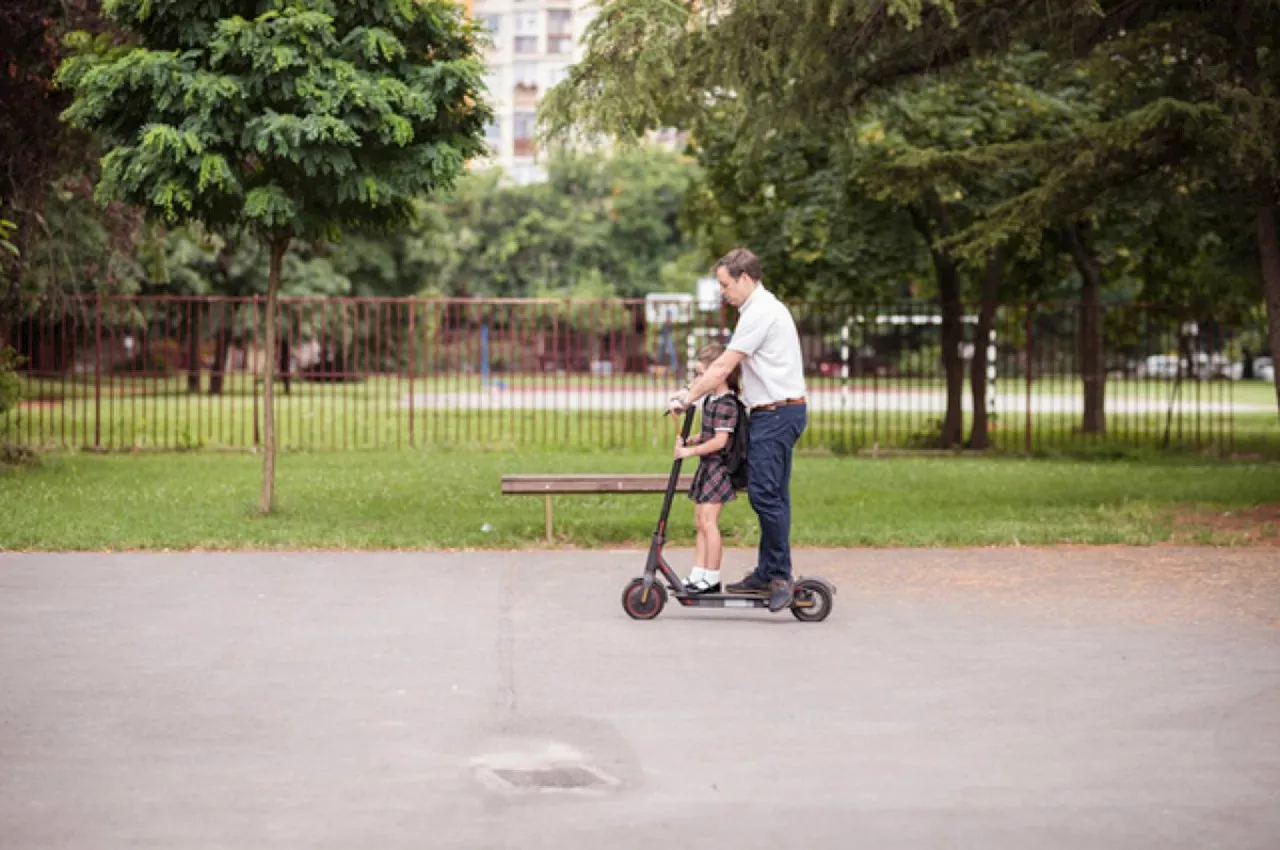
[{"x": 774, "y": 367}]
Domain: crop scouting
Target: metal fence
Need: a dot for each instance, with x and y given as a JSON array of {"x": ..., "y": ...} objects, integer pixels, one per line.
[{"x": 135, "y": 373}]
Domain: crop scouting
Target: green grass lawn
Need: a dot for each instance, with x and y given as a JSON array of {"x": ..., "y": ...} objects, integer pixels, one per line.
[{"x": 442, "y": 499}]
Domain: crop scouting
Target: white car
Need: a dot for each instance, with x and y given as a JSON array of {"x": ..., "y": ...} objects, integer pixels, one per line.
[
  {"x": 1207, "y": 367},
  {"x": 1264, "y": 369},
  {"x": 1160, "y": 366},
  {"x": 1218, "y": 366}
]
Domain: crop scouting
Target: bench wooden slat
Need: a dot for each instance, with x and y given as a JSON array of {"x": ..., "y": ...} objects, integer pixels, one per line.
[
  {"x": 625, "y": 483},
  {"x": 547, "y": 485}
]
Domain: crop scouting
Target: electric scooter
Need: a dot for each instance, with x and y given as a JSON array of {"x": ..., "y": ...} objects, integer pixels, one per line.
[{"x": 645, "y": 597}]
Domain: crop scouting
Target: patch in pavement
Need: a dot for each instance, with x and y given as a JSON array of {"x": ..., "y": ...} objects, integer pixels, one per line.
[
  {"x": 553, "y": 778},
  {"x": 550, "y": 767}
]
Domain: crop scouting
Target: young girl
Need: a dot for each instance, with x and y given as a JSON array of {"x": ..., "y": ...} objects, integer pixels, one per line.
[{"x": 711, "y": 485}]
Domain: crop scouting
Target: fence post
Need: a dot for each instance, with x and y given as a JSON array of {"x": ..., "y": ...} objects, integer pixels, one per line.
[
  {"x": 253, "y": 373},
  {"x": 97, "y": 372},
  {"x": 1026, "y": 439},
  {"x": 413, "y": 308}
]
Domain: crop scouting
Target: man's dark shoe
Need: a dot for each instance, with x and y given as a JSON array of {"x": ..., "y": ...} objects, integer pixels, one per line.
[
  {"x": 779, "y": 594},
  {"x": 750, "y": 583}
]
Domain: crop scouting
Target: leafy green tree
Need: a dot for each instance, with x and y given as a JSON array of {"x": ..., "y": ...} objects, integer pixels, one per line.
[
  {"x": 1189, "y": 90},
  {"x": 195, "y": 262},
  {"x": 10, "y": 388},
  {"x": 976, "y": 103},
  {"x": 79, "y": 248},
  {"x": 10, "y": 395},
  {"x": 36, "y": 149},
  {"x": 601, "y": 225},
  {"x": 414, "y": 261},
  {"x": 617, "y": 217},
  {"x": 286, "y": 119},
  {"x": 6, "y": 238},
  {"x": 1185, "y": 109},
  {"x": 832, "y": 216},
  {"x": 796, "y": 201}
]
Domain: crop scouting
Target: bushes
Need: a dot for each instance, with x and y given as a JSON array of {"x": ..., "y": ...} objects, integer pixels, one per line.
[
  {"x": 10, "y": 388},
  {"x": 10, "y": 395}
]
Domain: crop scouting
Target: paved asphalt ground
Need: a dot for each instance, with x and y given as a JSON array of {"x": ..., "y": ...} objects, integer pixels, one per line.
[{"x": 996, "y": 700}]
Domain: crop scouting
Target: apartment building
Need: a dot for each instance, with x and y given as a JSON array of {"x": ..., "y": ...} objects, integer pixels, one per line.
[{"x": 534, "y": 44}]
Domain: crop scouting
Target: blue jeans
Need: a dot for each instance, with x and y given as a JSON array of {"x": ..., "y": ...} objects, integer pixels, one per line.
[{"x": 773, "y": 436}]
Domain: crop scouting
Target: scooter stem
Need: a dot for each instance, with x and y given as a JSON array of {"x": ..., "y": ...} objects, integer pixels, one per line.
[
  {"x": 660, "y": 533},
  {"x": 653, "y": 563}
]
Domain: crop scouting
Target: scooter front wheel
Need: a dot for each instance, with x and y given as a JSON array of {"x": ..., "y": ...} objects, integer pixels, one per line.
[
  {"x": 640, "y": 605},
  {"x": 812, "y": 601}
]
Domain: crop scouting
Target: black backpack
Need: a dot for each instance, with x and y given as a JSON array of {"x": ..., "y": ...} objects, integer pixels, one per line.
[{"x": 736, "y": 454}]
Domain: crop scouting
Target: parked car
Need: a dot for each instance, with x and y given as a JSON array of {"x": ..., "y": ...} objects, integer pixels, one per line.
[
  {"x": 1264, "y": 368},
  {"x": 1160, "y": 366},
  {"x": 1219, "y": 367},
  {"x": 1207, "y": 367}
]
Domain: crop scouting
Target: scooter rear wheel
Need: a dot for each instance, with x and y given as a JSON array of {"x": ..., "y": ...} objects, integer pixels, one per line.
[
  {"x": 815, "y": 601},
  {"x": 640, "y": 606}
]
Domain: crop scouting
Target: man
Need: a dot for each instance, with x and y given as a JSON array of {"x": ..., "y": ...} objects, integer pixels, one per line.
[{"x": 765, "y": 343}]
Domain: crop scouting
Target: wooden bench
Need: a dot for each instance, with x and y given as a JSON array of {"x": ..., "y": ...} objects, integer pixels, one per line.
[{"x": 549, "y": 485}]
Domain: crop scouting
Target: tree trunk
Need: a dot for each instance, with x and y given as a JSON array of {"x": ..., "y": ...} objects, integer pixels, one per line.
[
  {"x": 947, "y": 274},
  {"x": 286, "y": 376},
  {"x": 193, "y": 350},
  {"x": 978, "y": 437},
  {"x": 1092, "y": 368},
  {"x": 278, "y": 246},
  {"x": 1269, "y": 254},
  {"x": 221, "y": 345},
  {"x": 222, "y": 339},
  {"x": 952, "y": 363}
]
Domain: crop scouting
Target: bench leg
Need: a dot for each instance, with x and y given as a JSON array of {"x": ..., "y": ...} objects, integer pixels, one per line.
[{"x": 547, "y": 515}]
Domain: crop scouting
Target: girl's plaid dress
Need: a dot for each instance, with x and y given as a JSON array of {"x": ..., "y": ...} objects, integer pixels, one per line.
[{"x": 711, "y": 482}]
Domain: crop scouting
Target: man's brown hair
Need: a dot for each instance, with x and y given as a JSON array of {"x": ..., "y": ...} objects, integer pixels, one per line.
[{"x": 740, "y": 261}]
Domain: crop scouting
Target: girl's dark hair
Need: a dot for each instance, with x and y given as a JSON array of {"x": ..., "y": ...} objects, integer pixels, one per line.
[{"x": 711, "y": 352}]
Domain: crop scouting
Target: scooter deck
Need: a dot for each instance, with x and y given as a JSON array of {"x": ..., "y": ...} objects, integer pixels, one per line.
[
  {"x": 728, "y": 600},
  {"x": 724, "y": 600}
]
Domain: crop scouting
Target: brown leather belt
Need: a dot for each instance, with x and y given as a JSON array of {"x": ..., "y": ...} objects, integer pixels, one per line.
[{"x": 786, "y": 402}]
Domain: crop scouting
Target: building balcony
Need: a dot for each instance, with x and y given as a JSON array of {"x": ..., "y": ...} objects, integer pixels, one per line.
[{"x": 525, "y": 95}]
